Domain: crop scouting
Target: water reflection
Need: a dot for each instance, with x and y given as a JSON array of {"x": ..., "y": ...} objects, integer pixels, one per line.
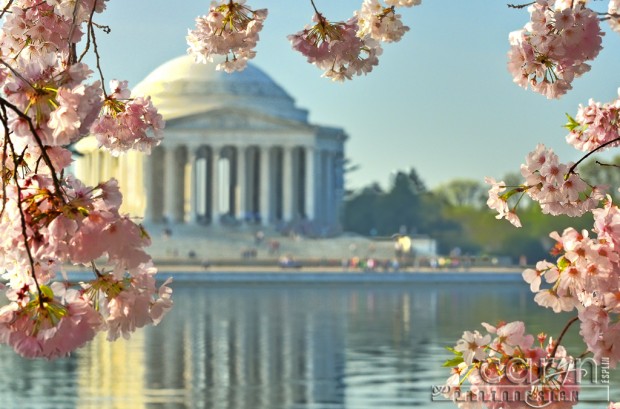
[{"x": 276, "y": 346}]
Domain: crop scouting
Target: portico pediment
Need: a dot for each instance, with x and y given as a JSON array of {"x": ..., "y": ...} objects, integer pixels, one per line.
[{"x": 229, "y": 119}]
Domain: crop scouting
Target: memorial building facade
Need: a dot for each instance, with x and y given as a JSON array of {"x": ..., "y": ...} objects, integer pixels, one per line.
[{"x": 236, "y": 150}]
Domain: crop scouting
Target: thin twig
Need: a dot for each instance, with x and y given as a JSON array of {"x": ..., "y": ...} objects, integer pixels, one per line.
[
  {"x": 613, "y": 165},
  {"x": 520, "y": 6},
  {"x": 572, "y": 168},
  {"x": 16, "y": 73},
  {"x": 98, "y": 60}
]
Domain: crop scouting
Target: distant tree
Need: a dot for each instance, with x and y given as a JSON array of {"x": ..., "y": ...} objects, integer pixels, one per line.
[
  {"x": 360, "y": 210},
  {"x": 462, "y": 192},
  {"x": 400, "y": 206},
  {"x": 348, "y": 168},
  {"x": 418, "y": 186},
  {"x": 407, "y": 204}
]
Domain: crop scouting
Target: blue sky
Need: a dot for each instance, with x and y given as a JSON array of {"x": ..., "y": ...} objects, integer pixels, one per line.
[{"x": 440, "y": 101}]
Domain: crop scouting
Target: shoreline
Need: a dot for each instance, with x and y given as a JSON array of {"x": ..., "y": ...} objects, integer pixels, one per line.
[
  {"x": 245, "y": 274},
  {"x": 253, "y": 269}
]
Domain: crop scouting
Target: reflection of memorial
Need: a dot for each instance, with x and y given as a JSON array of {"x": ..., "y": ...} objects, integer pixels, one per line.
[
  {"x": 236, "y": 150},
  {"x": 109, "y": 370},
  {"x": 249, "y": 351}
]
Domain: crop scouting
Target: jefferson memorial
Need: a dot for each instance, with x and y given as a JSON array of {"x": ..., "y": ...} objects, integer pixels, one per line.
[{"x": 236, "y": 151}]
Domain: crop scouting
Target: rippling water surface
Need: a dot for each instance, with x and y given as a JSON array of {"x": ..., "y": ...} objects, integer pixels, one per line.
[{"x": 280, "y": 346}]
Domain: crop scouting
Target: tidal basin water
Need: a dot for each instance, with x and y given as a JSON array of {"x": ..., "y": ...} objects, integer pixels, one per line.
[{"x": 281, "y": 346}]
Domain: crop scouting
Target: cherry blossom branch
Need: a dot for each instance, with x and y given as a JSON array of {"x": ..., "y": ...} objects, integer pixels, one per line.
[
  {"x": 559, "y": 340},
  {"x": 6, "y": 8},
  {"x": 37, "y": 138},
  {"x": 607, "y": 16},
  {"x": 584, "y": 354},
  {"x": 572, "y": 168},
  {"x": 35, "y": 5},
  {"x": 4, "y": 157},
  {"x": 23, "y": 222},
  {"x": 72, "y": 47}
]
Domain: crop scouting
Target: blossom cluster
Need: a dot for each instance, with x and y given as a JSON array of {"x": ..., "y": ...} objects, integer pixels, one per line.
[
  {"x": 40, "y": 30},
  {"x": 48, "y": 218},
  {"x": 345, "y": 49},
  {"x": 336, "y": 49},
  {"x": 595, "y": 126},
  {"x": 585, "y": 277},
  {"x": 504, "y": 368},
  {"x": 230, "y": 29},
  {"x": 126, "y": 123},
  {"x": 554, "y": 185},
  {"x": 380, "y": 23},
  {"x": 554, "y": 47}
]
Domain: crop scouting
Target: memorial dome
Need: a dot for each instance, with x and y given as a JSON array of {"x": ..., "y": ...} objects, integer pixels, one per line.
[{"x": 181, "y": 87}]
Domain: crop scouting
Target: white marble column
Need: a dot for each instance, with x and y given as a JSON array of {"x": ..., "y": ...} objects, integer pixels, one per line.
[
  {"x": 297, "y": 184},
  {"x": 309, "y": 182},
  {"x": 95, "y": 172},
  {"x": 339, "y": 187},
  {"x": 320, "y": 189},
  {"x": 170, "y": 182},
  {"x": 105, "y": 166},
  {"x": 287, "y": 183},
  {"x": 331, "y": 188},
  {"x": 179, "y": 187},
  {"x": 149, "y": 188},
  {"x": 215, "y": 184},
  {"x": 265, "y": 185},
  {"x": 251, "y": 186},
  {"x": 192, "y": 156},
  {"x": 241, "y": 187}
]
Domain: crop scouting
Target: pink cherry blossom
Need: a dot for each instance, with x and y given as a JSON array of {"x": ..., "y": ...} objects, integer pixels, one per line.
[
  {"x": 512, "y": 370},
  {"x": 613, "y": 10},
  {"x": 230, "y": 30},
  {"x": 595, "y": 127},
  {"x": 131, "y": 302},
  {"x": 127, "y": 124},
  {"x": 336, "y": 49},
  {"x": 553, "y": 48},
  {"x": 500, "y": 202},
  {"x": 49, "y": 325},
  {"x": 472, "y": 346},
  {"x": 554, "y": 185},
  {"x": 382, "y": 24}
]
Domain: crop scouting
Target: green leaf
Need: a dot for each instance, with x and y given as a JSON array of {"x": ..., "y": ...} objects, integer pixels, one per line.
[
  {"x": 563, "y": 263},
  {"x": 572, "y": 124},
  {"x": 453, "y": 362},
  {"x": 454, "y": 351},
  {"x": 47, "y": 292}
]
